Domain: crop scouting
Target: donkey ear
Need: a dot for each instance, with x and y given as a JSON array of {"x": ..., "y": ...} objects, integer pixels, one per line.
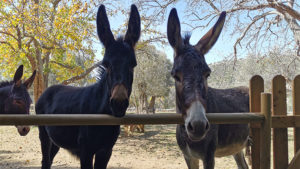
[
  {"x": 134, "y": 27},
  {"x": 103, "y": 28},
  {"x": 210, "y": 38},
  {"x": 18, "y": 75},
  {"x": 173, "y": 31},
  {"x": 30, "y": 80}
]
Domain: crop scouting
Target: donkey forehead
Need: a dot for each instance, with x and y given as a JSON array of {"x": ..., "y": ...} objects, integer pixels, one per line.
[
  {"x": 191, "y": 61},
  {"x": 21, "y": 90},
  {"x": 120, "y": 51},
  {"x": 121, "y": 47},
  {"x": 21, "y": 93}
]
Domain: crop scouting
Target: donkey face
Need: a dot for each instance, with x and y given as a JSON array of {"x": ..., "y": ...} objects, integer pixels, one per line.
[
  {"x": 119, "y": 58},
  {"x": 18, "y": 100},
  {"x": 190, "y": 72}
]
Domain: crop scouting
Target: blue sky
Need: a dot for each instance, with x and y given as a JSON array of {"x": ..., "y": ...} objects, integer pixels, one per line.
[{"x": 222, "y": 49}]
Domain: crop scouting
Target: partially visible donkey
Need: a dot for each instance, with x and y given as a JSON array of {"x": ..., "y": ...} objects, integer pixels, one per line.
[{"x": 14, "y": 97}]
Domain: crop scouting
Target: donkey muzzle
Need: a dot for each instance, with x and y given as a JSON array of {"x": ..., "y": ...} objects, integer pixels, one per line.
[
  {"x": 23, "y": 130},
  {"x": 119, "y": 93},
  {"x": 196, "y": 123},
  {"x": 119, "y": 100}
]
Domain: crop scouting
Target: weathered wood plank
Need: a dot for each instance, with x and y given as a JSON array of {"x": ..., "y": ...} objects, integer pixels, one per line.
[
  {"x": 282, "y": 122},
  {"x": 256, "y": 88},
  {"x": 280, "y": 135},
  {"x": 93, "y": 119},
  {"x": 296, "y": 111},
  {"x": 285, "y": 121},
  {"x": 265, "y": 134}
]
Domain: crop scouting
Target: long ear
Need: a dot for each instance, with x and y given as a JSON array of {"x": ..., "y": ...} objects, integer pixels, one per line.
[
  {"x": 29, "y": 81},
  {"x": 210, "y": 38},
  {"x": 173, "y": 31},
  {"x": 103, "y": 28},
  {"x": 134, "y": 27},
  {"x": 18, "y": 75}
]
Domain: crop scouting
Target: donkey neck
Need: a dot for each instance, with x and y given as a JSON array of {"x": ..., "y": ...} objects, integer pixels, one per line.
[
  {"x": 99, "y": 95},
  {"x": 4, "y": 93},
  {"x": 5, "y": 90}
]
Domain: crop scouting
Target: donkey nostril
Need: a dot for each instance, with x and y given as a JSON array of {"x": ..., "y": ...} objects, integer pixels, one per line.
[{"x": 190, "y": 127}]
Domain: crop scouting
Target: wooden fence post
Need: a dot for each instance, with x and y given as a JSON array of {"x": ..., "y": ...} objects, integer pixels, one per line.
[
  {"x": 256, "y": 88},
  {"x": 296, "y": 110},
  {"x": 265, "y": 134},
  {"x": 280, "y": 135}
]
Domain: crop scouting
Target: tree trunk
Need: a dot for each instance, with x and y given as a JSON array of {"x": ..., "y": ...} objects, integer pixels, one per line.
[
  {"x": 145, "y": 107},
  {"x": 141, "y": 104},
  {"x": 151, "y": 107},
  {"x": 38, "y": 85}
]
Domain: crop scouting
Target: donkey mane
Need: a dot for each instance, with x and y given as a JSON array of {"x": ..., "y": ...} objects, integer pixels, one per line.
[
  {"x": 100, "y": 72},
  {"x": 186, "y": 38},
  {"x": 5, "y": 83},
  {"x": 120, "y": 38}
]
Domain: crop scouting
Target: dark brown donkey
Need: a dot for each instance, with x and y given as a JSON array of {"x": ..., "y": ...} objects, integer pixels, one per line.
[
  {"x": 197, "y": 138},
  {"x": 14, "y": 97}
]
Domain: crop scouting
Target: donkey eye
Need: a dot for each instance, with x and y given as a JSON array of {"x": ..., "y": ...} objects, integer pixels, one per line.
[
  {"x": 207, "y": 75},
  {"x": 176, "y": 75},
  {"x": 131, "y": 70},
  {"x": 177, "y": 78},
  {"x": 19, "y": 101}
]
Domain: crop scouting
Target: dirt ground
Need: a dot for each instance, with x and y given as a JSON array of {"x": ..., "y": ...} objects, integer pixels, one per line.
[{"x": 156, "y": 149}]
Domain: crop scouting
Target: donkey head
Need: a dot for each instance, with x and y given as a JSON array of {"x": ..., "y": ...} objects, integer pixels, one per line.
[
  {"x": 119, "y": 58},
  {"x": 18, "y": 100},
  {"x": 190, "y": 72}
]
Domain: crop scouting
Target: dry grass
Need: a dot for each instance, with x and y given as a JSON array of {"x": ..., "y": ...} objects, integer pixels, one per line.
[{"x": 156, "y": 149}]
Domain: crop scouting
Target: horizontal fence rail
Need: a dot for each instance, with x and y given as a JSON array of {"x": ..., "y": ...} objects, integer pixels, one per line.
[
  {"x": 279, "y": 121},
  {"x": 93, "y": 119}
]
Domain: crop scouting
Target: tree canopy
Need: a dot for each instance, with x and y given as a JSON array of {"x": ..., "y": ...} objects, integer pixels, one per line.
[
  {"x": 151, "y": 76},
  {"x": 50, "y": 36}
]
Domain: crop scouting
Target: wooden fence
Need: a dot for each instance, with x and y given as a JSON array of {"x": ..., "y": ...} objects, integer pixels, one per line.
[
  {"x": 267, "y": 111},
  {"x": 280, "y": 121}
]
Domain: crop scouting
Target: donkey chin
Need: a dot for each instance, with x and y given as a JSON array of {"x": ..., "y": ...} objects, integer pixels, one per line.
[
  {"x": 119, "y": 107},
  {"x": 23, "y": 130},
  {"x": 196, "y": 136}
]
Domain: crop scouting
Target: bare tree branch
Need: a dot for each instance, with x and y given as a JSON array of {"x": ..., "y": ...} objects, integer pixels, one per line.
[
  {"x": 9, "y": 34},
  {"x": 246, "y": 30},
  {"x": 81, "y": 76},
  {"x": 212, "y": 5},
  {"x": 298, "y": 50},
  {"x": 10, "y": 45},
  {"x": 62, "y": 65},
  {"x": 284, "y": 9},
  {"x": 249, "y": 8}
]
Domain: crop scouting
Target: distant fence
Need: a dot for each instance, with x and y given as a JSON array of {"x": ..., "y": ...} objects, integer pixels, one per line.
[{"x": 266, "y": 111}]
